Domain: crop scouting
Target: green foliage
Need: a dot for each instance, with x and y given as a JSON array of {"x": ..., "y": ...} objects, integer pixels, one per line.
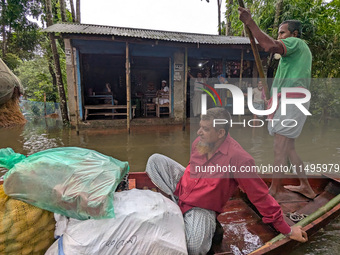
[
  {"x": 325, "y": 98},
  {"x": 21, "y": 33},
  {"x": 320, "y": 22},
  {"x": 321, "y": 31},
  {"x": 28, "y": 50},
  {"x": 36, "y": 79},
  {"x": 12, "y": 61},
  {"x": 262, "y": 12}
]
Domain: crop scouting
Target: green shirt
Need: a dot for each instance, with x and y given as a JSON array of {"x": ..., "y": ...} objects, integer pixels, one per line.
[{"x": 295, "y": 65}]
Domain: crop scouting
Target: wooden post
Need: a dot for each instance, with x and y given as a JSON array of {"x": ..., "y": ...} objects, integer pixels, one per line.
[
  {"x": 185, "y": 89},
  {"x": 45, "y": 104},
  {"x": 241, "y": 69},
  {"x": 128, "y": 89},
  {"x": 256, "y": 56},
  {"x": 170, "y": 87},
  {"x": 74, "y": 73}
]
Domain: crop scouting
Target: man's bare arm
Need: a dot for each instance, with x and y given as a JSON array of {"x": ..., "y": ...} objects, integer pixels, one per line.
[{"x": 265, "y": 41}]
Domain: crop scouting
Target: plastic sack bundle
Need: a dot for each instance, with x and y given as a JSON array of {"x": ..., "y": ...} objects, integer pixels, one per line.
[
  {"x": 146, "y": 223},
  {"x": 24, "y": 229},
  {"x": 75, "y": 182},
  {"x": 8, "y": 81}
]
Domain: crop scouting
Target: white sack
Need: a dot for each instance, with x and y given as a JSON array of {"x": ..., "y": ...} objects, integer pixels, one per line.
[{"x": 146, "y": 223}]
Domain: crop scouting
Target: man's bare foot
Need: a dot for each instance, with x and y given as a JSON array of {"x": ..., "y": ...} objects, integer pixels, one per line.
[{"x": 306, "y": 191}]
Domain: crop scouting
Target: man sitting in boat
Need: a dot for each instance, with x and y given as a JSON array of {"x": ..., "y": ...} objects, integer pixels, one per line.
[{"x": 202, "y": 188}]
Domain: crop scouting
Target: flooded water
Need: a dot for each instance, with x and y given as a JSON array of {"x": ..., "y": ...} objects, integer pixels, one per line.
[{"x": 317, "y": 144}]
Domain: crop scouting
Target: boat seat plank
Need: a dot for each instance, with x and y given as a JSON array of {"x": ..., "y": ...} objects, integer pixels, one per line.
[
  {"x": 292, "y": 206},
  {"x": 316, "y": 203},
  {"x": 245, "y": 223},
  {"x": 334, "y": 177}
]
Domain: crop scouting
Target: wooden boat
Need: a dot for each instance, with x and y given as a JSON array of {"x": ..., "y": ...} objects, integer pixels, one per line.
[{"x": 244, "y": 231}]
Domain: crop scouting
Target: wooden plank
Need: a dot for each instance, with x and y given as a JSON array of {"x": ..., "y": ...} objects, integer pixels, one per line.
[
  {"x": 316, "y": 203},
  {"x": 335, "y": 177},
  {"x": 243, "y": 228},
  {"x": 106, "y": 113},
  {"x": 106, "y": 106}
]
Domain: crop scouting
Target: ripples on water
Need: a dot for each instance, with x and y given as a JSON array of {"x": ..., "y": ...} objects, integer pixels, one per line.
[
  {"x": 37, "y": 143},
  {"x": 317, "y": 144},
  {"x": 326, "y": 241}
]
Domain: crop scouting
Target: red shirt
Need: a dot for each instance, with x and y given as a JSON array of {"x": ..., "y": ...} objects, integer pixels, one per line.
[{"x": 212, "y": 191}]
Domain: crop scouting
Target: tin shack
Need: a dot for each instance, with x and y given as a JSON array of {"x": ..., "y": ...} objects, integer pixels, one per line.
[{"x": 118, "y": 74}]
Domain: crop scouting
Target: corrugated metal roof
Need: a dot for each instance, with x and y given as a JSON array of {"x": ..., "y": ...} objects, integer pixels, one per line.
[{"x": 73, "y": 28}]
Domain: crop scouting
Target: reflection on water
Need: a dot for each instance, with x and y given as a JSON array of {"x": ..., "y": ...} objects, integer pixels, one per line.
[
  {"x": 135, "y": 148},
  {"x": 317, "y": 144}
]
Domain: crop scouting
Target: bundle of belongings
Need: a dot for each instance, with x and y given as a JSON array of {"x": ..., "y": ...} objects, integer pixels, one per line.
[
  {"x": 10, "y": 91},
  {"x": 24, "y": 229},
  {"x": 79, "y": 185},
  {"x": 8, "y": 82}
]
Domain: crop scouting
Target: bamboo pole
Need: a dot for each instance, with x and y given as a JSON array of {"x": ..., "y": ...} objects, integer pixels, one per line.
[
  {"x": 256, "y": 56},
  {"x": 128, "y": 89},
  {"x": 310, "y": 218}
]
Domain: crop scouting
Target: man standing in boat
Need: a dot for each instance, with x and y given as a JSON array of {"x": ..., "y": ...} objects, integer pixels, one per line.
[
  {"x": 201, "y": 195},
  {"x": 294, "y": 70}
]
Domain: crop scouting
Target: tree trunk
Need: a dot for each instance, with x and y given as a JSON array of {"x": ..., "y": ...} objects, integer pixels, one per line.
[
  {"x": 3, "y": 31},
  {"x": 72, "y": 11},
  {"x": 49, "y": 18},
  {"x": 60, "y": 85},
  {"x": 78, "y": 10},
  {"x": 62, "y": 10},
  {"x": 219, "y": 16},
  {"x": 228, "y": 14},
  {"x": 272, "y": 63},
  {"x": 278, "y": 11},
  {"x": 51, "y": 70}
]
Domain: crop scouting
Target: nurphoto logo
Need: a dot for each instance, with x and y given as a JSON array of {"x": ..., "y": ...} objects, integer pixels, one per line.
[{"x": 238, "y": 104}]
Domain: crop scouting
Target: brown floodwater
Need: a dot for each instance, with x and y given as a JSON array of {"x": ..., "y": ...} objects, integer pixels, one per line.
[{"x": 318, "y": 144}]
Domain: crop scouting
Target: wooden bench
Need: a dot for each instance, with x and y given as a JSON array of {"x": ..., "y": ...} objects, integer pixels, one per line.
[{"x": 107, "y": 107}]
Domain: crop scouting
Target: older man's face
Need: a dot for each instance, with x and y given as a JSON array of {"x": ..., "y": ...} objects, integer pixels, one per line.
[{"x": 208, "y": 133}]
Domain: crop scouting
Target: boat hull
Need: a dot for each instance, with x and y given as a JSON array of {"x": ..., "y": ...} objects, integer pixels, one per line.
[{"x": 244, "y": 231}]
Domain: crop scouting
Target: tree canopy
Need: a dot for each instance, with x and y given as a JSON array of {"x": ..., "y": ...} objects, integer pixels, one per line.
[
  {"x": 320, "y": 27},
  {"x": 19, "y": 32}
]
